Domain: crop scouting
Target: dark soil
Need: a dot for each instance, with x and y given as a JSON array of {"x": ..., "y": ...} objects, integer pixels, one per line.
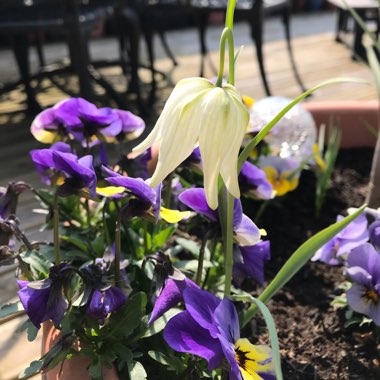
[{"x": 314, "y": 342}]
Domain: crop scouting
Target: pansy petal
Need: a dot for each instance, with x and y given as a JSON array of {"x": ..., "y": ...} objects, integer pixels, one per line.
[
  {"x": 170, "y": 295},
  {"x": 356, "y": 300},
  {"x": 110, "y": 191},
  {"x": 114, "y": 298},
  {"x": 183, "y": 334},
  {"x": 135, "y": 186},
  {"x": 196, "y": 200},
  {"x": 247, "y": 233},
  {"x": 227, "y": 320},
  {"x": 173, "y": 216},
  {"x": 201, "y": 305}
]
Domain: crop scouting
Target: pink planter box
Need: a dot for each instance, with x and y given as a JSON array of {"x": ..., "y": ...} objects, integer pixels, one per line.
[{"x": 351, "y": 116}]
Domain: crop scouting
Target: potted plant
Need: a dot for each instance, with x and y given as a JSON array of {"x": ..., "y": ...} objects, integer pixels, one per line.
[{"x": 142, "y": 282}]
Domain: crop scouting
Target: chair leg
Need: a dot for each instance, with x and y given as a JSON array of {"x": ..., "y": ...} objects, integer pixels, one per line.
[
  {"x": 286, "y": 22},
  {"x": 202, "y": 20},
  {"x": 148, "y": 34},
  {"x": 256, "y": 21},
  {"x": 21, "y": 51},
  {"x": 167, "y": 49}
]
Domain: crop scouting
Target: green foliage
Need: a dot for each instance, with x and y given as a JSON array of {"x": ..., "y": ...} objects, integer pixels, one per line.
[{"x": 324, "y": 176}]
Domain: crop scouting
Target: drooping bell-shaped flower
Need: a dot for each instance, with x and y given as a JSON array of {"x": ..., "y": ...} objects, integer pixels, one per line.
[{"x": 198, "y": 111}]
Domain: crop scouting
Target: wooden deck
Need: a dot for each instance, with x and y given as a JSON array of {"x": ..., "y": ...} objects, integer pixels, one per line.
[{"x": 318, "y": 57}]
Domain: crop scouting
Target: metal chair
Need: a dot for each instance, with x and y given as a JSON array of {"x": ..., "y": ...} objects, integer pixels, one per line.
[
  {"x": 253, "y": 12},
  {"x": 73, "y": 19}
]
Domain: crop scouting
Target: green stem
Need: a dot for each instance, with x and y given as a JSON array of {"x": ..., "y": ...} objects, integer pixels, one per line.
[
  {"x": 117, "y": 249},
  {"x": 213, "y": 245},
  {"x": 226, "y": 37},
  {"x": 105, "y": 225},
  {"x": 226, "y": 210},
  {"x": 88, "y": 213},
  {"x": 168, "y": 192},
  {"x": 230, "y": 14},
  {"x": 57, "y": 251},
  {"x": 201, "y": 258}
]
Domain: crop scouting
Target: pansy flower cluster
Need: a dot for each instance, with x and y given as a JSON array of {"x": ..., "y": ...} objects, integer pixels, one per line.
[
  {"x": 357, "y": 248},
  {"x": 118, "y": 251}
]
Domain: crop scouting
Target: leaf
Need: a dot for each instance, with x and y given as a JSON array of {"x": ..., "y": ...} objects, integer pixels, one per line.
[
  {"x": 137, "y": 371},
  {"x": 39, "y": 265},
  {"x": 298, "y": 259},
  {"x": 34, "y": 368},
  {"x": 11, "y": 308},
  {"x": 192, "y": 247},
  {"x": 31, "y": 330},
  {"x": 125, "y": 320},
  {"x": 172, "y": 363},
  {"x": 163, "y": 236},
  {"x": 271, "y": 329},
  {"x": 158, "y": 325}
]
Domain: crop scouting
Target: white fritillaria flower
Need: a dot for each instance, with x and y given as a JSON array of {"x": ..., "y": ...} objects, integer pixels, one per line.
[{"x": 197, "y": 111}]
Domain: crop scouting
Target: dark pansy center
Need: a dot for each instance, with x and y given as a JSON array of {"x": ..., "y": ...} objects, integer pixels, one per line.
[
  {"x": 371, "y": 296},
  {"x": 242, "y": 358}
]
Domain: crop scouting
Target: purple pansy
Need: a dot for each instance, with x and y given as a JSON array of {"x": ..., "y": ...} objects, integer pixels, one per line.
[
  {"x": 78, "y": 118},
  {"x": 249, "y": 262},
  {"x": 374, "y": 234},
  {"x": 253, "y": 181},
  {"x": 142, "y": 197},
  {"x": 105, "y": 302},
  {"x": 354, "y": 235},
  {"x": 170, "y": 284},
  {"x": 209, "y": 328},
  {"x": 101, "y": 295},
  {"x": 363, "y": 267},
  {"x": 77, "y": 173},
  {"x": 43, "y": 300},
  {"x": 132, "y": 126},
  {"x": 245, "y": 231}
]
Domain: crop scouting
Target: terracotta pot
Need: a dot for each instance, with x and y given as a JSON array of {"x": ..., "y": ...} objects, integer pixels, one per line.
[
  {"x": 72, "y": 369},
  {"x": 351, "y": 116}
]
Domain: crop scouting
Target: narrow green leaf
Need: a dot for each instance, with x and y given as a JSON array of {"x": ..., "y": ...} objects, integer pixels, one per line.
[
  {"x": 252, "y": 144},
  {"x": 163, "y": 236},
  {"x": 10, "y": 308},
  {"x": 271, "y": 326},
  {"x": 298, "y": 259}
]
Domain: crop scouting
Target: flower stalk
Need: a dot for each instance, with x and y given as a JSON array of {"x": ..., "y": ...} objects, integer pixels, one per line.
[
  {"x": 117, "y": 248},
  {"x": 57, "y": 249}
]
